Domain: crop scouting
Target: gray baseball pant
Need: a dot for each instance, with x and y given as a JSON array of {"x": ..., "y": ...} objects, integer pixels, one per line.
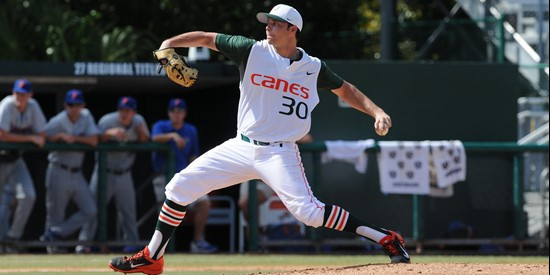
[
  {"x": 61, "y": 186},
  {"x": 121, "y": 187},
  {"x": 19, "y": 177}
]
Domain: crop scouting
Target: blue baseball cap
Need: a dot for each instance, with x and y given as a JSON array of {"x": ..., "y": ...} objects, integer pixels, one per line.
[
  {"x": 22, "y": 86},
  {"x": 74, "y": 96},
  {"x": 127, "y": 102},
  {"x": 177, "y": 103}
]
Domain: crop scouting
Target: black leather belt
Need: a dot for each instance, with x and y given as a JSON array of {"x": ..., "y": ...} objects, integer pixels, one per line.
[
  {"x": 70, "y": 169},
  {"x": 260, "y": 143},
  {"x": 119, "y": 171},
  {"x": 9, "y": 156}
]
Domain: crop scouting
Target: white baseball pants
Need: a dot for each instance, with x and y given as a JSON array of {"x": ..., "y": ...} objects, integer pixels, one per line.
[{"x": 235, "y": 161}]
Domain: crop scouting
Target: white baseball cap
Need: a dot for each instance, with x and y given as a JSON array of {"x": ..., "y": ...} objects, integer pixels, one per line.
[{"x": 283, "y": 13}]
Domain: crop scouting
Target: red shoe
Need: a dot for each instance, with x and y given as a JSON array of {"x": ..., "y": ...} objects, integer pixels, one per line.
[
  {"x": 141, "y": 262},
  {"x": 394, "y": 246}
]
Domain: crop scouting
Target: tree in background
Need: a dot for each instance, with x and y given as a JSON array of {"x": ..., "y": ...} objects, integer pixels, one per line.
[
  {"x": 124, "y": 30},
  {"x": 53, "y": 31}
]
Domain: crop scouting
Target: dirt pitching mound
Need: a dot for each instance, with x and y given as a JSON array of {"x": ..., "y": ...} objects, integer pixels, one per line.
[{"x": 428, "y": 268}]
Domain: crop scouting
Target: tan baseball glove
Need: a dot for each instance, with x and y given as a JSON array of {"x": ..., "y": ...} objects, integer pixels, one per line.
[{"x": 176, "y": 68}]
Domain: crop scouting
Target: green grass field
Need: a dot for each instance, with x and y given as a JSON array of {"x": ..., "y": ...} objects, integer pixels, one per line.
[{"x": 227, "y": 264}]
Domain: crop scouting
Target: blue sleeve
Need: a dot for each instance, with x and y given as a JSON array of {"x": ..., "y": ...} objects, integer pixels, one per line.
[
  {"x": 157, "y": 129},
  {"x": 157, "y": 158}
]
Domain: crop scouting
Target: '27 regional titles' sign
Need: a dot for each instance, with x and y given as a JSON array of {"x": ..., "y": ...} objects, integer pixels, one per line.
[{"x": 116, "y": 69}]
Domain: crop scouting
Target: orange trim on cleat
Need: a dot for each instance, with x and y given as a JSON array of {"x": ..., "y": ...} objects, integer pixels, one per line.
[
  {"x": 394, "y": 247},
  {"x": 139, "y": 263}
]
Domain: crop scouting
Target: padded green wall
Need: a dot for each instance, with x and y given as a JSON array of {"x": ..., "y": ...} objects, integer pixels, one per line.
[{"x": 470, "y": 102}]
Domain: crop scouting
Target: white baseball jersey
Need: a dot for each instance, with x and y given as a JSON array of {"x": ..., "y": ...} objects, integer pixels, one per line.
[{"x": 277, "y": 98}]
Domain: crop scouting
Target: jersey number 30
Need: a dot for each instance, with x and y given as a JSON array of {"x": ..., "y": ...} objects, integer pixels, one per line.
[{"x": 299, "y": 109}]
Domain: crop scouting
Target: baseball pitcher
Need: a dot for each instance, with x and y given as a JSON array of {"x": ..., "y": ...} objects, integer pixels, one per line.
[{"x": 278, "y": 91}]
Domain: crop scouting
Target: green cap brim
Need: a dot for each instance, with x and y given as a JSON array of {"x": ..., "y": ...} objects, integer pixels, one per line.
[{"x": 263, "y": 16}]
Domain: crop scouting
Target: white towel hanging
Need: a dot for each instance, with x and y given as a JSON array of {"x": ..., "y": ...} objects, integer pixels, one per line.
[
  {"x": 349, "y": 151},
  {"x": 403, "y": 167},
  {"x": 450, "y": 162}
]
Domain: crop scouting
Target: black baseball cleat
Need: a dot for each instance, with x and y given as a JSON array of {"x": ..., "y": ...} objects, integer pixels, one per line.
[
  {"x": 394, "y": 246},
  {"x": 10, "y": 245},
  {"x": 139, "y": 263}
]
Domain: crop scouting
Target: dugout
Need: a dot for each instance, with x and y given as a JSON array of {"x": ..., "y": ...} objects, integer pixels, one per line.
[
  {"x": 212, "y": 107},
  {"x": 427, "y": 101}
]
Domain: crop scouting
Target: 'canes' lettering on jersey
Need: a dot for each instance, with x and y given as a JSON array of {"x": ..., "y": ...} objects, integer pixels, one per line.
[
  {"x": 279, "y": 84},
  {"x": 277, "y": 96}
]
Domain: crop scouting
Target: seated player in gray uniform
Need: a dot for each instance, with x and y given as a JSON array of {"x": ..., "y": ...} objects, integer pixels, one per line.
[
  {"x": 124, "y": 125},
  {"x": 64, "y": 178},
  {"x": 21, "y": 120}
]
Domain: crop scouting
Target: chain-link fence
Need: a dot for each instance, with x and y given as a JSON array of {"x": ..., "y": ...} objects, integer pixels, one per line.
[{"x": 530, "y": 19}]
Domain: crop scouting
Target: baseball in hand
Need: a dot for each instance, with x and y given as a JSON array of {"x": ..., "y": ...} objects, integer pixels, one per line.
[{"x": 382, "y": 131}]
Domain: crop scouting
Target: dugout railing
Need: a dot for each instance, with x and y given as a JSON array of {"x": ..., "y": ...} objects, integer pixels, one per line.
[
  {"x": 417, "y": 238},
  {"x": 102, "y": 149}
]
